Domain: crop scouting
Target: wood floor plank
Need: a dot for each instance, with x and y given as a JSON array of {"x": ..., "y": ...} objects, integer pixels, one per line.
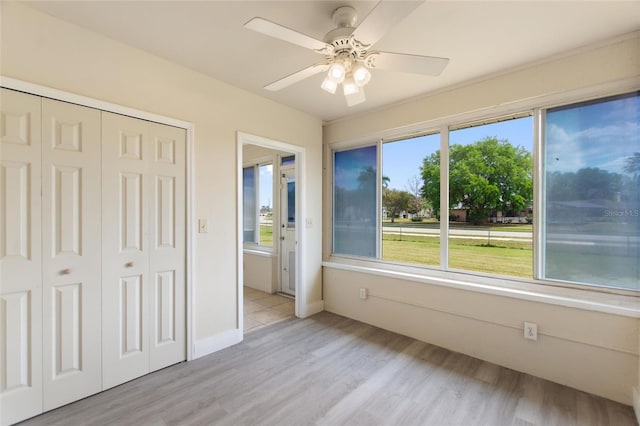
[{"x": 331, "y": 370}]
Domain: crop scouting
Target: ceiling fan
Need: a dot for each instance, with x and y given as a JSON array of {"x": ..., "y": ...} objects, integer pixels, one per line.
[{"x": 347, "y": 56}]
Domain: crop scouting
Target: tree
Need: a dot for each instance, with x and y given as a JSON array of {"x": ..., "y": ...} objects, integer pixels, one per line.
[
  {"x": 561, "y": 186},
  {"x": 431, "y": 181},
  {"x": 362, "y": 200},
  {"x": 631, "y": 186},
  {"x": 395, "y": 201},
  {"x": 265, "y": 209},
  {"x": 487, "y": 175},
  {"x": 633, "y": 165},
  {"x": 589, "y": 183},
  {"x": 414, "y": 187},
  {"x": 593, "y": 183},
  {"x": 385, "y": 181}
]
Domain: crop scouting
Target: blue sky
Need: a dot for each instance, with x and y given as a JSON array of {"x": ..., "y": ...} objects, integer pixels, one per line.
[
  {"x": 596, "y": 135},
  {"x": 266, "y": 185},
  {"x": 601, "y": 135},
  {"x": 348, "y": 165},
  {"x": 402, "y": 160}
]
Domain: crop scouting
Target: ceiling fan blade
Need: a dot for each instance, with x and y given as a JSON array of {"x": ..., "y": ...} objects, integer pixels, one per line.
[
  {"x": 296, "y": 77},
  {"x": 382, "y": 18},
  {"x": 283, "y": 33},
  {"x": 416, "y": 64}
]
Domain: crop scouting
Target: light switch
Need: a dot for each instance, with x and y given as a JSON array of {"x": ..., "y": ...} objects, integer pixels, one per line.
[
  {"x": 309, "y": 222},
  {"x": 203, "y": 226}
]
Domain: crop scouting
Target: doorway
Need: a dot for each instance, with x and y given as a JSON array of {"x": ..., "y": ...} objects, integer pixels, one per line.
[{"x": 276, "y": 268}]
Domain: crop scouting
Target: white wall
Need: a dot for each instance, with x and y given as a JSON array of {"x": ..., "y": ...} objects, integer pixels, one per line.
[
  {"x": 592, "y": 351},
  {"x": 41, "y": 49},
  {"x": 258, "y": 271}
]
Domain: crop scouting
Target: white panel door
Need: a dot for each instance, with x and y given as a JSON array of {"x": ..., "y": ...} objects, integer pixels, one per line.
[
  {"x": 71, "y": 252},
  {"x": 20, "y": 257},
  {"x": 126, "y": 151},
  {"x": 288, "y": 230},
  {"x": 167, "y": 246}
]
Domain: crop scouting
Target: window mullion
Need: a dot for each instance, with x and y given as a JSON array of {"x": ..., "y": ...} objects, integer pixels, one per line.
[
  {"x": 538, "y": 185},
  {"x": 379, "y": 200},
  {"x": 444, "y": 198},
  {"x": 256, "y": 202}
]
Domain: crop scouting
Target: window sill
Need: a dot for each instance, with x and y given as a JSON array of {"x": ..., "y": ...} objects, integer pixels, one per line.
[{"x": 587, "y": 299}]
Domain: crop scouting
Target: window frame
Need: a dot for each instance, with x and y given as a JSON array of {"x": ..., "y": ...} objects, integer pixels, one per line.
[{"x": 536, "y": 108}]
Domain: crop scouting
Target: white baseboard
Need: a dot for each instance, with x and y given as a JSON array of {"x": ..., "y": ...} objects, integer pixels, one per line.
[
  {"x": 263, "y": 288},
  {"x": 215, "y": 343},
  {"x": 311, "y": 309},
  {"x": 636, "y": 403}
]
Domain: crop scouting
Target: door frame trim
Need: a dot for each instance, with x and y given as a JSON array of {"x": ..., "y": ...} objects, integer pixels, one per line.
[
  {"x": 61, "y": 95},
  {"x": 300, "y": 152}
]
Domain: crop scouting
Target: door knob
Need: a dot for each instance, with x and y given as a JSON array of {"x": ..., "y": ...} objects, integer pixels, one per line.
[
  {"x": 65, "y": 271},
  {"x": 128, "y": 265}
]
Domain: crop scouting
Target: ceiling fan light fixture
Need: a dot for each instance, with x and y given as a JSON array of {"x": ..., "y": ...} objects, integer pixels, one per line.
[
  {"x": 349, "y": 85},
  {"x": 361, "y": 75},
  {"x": 329, "y": 85},
  {"x": 348, "y": 58},
  {"x": 337, "y": 72},
  {"x": 355, "y": 98}
]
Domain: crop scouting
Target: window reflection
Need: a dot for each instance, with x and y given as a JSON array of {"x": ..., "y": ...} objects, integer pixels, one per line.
[{"x": 592, "y": 187}]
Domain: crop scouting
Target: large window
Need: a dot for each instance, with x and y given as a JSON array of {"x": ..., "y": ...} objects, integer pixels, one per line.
[
  {"x": 491, "y": 198},
  {"x": 588, "y": 193},
  {"x": 410, "y": 206},
  {"x": 354, "y": 201},
  {"x": 257, "y": 197},
  {"x": 592, "y": 193}
]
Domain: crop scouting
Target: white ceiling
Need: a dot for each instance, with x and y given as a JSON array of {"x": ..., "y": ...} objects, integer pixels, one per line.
[{"x": 480, "y": 38}]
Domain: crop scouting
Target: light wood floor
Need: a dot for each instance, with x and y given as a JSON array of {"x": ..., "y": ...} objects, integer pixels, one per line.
[
  {"x": 330, "y": 370},
  {"x": 262, "y": 309}
]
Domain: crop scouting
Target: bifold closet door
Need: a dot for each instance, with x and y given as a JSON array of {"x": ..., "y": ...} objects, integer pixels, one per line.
[
  {"x": 20, "y": 257},
  {"x": 72, "y": 367},
  {"x": 143, "y": 294},
  {"x": 167, "y": 246}
]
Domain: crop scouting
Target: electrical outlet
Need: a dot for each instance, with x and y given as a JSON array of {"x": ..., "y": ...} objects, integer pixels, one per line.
[
  {"x": 363, "y": 293},
  {"x": 531, "y": 331}
]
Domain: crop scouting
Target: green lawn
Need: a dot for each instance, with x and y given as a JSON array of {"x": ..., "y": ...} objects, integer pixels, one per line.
[
  {"x": 266, "y": 235},
  {"x": 433, "y": 223},
  {"x": 512, "y": 258},
  {"x": 502, "y": 257}
]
